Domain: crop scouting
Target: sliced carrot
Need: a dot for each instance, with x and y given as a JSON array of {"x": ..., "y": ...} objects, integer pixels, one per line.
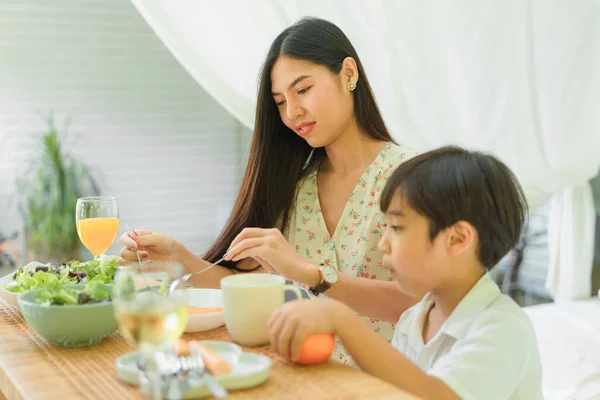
[
  {"x": 182, "y": 348},
  {"x": 203, "y": 310},
  {"x": 214, "y": 363}
]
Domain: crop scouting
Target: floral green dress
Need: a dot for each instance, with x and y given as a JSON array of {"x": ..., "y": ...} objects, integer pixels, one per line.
[{"x": 352, "y": 248}]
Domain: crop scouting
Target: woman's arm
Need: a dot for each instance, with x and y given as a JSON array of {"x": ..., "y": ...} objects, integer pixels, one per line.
[
  {"x": 375, "y": 299},
  {"x": 155, "y": 246}
]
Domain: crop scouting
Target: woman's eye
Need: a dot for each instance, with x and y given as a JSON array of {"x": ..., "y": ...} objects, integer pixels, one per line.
[
  {"x": 280, "y": 103},
  {"x": 303, "y": 91}
]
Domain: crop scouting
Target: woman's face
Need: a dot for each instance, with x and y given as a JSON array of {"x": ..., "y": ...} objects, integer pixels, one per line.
[{"x": 312, "y": 101}]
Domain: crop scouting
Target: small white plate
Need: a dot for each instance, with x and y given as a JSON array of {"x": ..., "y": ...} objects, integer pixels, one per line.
[
  {"x": 250, "y": 369},
  {"x": 9, "y": 297},
  {"x": 204, "y": 298}
]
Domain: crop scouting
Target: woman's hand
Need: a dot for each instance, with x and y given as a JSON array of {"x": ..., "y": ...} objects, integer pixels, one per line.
[
  {"x": 274, "y": 253},
  {"x": 151, "y": 246},
  {"x": 291, "y": 323}
]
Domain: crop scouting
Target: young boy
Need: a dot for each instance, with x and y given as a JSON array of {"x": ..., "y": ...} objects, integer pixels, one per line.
[{"x": 451, "y": 216}]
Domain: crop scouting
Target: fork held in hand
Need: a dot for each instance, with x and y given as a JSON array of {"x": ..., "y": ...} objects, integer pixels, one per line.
[
  {"x": 184, "y": 278},
  {"x": 137, "y": 253}
]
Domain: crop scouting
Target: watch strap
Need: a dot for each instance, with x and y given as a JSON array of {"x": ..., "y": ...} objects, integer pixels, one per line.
[{"x": 320, "y": 288}]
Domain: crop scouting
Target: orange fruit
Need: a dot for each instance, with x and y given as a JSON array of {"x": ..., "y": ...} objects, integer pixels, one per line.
[{"x": 316, "y": 349}]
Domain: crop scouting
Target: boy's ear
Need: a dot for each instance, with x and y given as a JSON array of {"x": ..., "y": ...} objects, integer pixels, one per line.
[{"x": 461, "y": 237}]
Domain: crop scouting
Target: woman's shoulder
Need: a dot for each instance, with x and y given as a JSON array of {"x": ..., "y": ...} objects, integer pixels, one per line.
[
  {"x": 306, "y": 180},
  {"x": 398, "y": 153},
  {"x": 392, "y": 155}
]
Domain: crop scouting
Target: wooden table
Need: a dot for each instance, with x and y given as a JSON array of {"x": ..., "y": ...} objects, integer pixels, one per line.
[{"x": 30, "y": 368}]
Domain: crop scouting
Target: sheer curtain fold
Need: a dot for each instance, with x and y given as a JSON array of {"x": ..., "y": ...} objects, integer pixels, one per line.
[{"x": 515, "y": 78}]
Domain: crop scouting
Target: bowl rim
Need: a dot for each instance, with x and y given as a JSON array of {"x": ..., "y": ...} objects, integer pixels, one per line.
[
  {"x": 198, "y": 289},
  {"x": 6, "y": 277},
  {"x": 30, "y": 303}
]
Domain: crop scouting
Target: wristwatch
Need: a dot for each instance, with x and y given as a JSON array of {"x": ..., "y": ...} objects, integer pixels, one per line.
[{"x": 329, "y": 276}]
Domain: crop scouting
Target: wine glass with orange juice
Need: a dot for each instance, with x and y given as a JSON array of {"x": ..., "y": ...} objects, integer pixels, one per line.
[{"x": 97, "y": 223}]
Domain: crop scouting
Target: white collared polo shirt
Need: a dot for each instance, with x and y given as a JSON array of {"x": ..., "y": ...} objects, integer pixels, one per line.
[{"x": 485, "y": 350}]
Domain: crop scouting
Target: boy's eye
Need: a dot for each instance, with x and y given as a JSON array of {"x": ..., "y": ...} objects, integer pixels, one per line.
[{"x": 395, "y": 228}]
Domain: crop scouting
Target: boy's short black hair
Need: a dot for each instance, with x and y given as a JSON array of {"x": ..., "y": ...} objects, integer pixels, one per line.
[{"x": 452, "y": 184}]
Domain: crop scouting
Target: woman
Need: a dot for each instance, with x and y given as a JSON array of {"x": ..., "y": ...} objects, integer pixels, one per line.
[{"x": 319, "y": 158}]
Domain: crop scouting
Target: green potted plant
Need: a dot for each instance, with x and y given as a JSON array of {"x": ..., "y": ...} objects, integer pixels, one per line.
[{"x": 47, "y": 194}]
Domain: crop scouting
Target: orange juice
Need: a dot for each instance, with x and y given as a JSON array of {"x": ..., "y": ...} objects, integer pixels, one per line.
[{"x": 98, "y": 234}]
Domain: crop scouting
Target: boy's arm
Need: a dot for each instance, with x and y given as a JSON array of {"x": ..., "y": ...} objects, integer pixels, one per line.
[
  {"x": 377, "y": 357},
  {"x": 291, "y": 323}
]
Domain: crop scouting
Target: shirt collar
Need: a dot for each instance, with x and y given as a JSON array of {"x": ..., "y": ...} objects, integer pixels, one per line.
[{"x": 481, "y": 295}]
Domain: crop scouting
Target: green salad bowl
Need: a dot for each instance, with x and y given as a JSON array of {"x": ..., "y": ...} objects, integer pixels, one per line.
[{"x": 69, "y": 325}]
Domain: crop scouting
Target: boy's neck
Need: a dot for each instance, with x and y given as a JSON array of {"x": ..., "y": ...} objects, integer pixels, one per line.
[{"x": 448, "y": 297}]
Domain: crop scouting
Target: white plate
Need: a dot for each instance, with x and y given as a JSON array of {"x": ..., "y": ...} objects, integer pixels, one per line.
[
  {"x": 204, "y": 298},
  {"x": 9, "y": 297},
  {"x": 250, "y": 369}
]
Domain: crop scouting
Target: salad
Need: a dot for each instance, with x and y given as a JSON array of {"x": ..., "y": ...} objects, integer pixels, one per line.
[
  {"x": 39, "y": 276},
  {"x": 57, "y": 294}
]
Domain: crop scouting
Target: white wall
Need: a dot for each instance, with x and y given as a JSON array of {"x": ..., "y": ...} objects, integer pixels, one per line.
[
  {"x": 154, "y": 138},
  {"x": 596, "y": 191}
]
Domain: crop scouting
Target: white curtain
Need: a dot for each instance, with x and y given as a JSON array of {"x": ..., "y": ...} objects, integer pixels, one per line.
[{"x": 514, "y": 77}]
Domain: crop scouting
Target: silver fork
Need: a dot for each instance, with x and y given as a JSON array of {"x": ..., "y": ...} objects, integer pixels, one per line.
[
  {"x": 137, "y": 253},
  {"x": 195, "y": 363},
  {"x": 184, "y": 278}
]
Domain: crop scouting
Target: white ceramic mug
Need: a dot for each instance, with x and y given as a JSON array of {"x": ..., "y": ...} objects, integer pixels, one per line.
[{"x": 248, "y": 301}]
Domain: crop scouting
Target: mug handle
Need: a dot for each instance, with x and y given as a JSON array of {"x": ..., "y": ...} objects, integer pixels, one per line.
[{"x": 294, "y": 289}]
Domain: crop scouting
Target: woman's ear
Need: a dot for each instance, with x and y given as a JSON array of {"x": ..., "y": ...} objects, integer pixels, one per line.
[
  {"x": 462, "y": 236},
  {"x": 349, "y": 71}
]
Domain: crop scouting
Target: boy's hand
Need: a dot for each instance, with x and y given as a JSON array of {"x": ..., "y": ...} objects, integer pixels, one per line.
[{"x": 291, "y": 323}]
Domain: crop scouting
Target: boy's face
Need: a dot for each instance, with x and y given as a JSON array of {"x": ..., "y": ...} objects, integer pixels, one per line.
[{"x": 414, "y": 261}]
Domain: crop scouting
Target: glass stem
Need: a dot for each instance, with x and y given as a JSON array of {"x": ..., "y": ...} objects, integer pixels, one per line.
[{"x": 151, "y": 374}]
